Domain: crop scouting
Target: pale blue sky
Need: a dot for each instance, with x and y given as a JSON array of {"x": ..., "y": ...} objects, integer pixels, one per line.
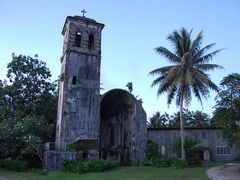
[{"x": 132, "y": 30}]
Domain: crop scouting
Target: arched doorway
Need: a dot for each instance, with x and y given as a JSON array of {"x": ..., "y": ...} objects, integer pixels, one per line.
[{"x": 117, "y": 126}]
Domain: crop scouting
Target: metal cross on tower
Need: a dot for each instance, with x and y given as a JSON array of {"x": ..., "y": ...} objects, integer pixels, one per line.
[{"x": 83, "y": 12}]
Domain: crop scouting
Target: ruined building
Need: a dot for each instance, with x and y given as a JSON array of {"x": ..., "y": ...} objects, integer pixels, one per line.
[{"x": 112, "y": 125}]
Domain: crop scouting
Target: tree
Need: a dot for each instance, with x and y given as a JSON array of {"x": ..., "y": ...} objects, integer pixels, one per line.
[
  {"x": 227, "y": 109},
  {"x": 157, "y": 120},
  {"x": 175, "y": 118},
  {"x": 199, "y": 119},
  {"x": 129, "y": 85},
  {"x": 152, "y": 150},
  {"x": 28, "y": 108},
  {"x": 189, "y": 147},
  {"x": 187, "y": 75},
  {"x": 29, "y": 80}
]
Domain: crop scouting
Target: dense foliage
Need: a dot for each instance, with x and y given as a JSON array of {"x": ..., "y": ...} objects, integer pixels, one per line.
[
  {"x": 190, "y": 148},
  {"x": 28, "y": 109},
  {"x": 191, "y": 119},
  {"x": 227, "y": 109},
  {"x": 152, "y": 150},
  {"x": 14, "y": 165},
  {"x": 91, "y": 166}
]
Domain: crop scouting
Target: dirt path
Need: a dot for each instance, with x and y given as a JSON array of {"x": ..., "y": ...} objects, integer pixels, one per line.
[{"x": 224, "y": 173}]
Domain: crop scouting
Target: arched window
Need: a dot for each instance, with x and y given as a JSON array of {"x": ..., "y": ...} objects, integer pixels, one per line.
[
  {"x": 78, "y": 39},
  {"x": 90, "y": 41}
]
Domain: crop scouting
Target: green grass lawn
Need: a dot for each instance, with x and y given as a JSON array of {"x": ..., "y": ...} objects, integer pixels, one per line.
[{"x": 121, "y": 173}]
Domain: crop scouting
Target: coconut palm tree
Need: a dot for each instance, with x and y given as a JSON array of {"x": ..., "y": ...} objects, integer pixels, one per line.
[
  {"x": 158, "y": 120},
  {"x": 187, "y": 74}
]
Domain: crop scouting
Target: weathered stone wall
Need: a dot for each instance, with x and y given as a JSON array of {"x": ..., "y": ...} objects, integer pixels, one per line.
[
  {"x": 79, "y": 98},
  {"x": 123, "y": 126},
  {"x": 141, "y": 132}
]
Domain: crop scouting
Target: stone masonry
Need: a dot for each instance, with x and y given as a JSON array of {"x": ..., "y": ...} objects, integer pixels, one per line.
[
  {"x": 109, "y": 126},
  {"x": 79, "y": 98}
]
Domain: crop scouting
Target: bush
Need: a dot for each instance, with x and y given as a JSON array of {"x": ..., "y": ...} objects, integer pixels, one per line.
[
  {"x": 91, "y": 166},
  {"x": 157, "y": 162},
  {"x": 145, "y": 162},
  {"x": 71, "y": 147},
  {"x": 97, "y": 165},
  {"x": 152, "y": 150},
  {"x": 14, "y": 165},
  {"x": 194, "y": 162},
  {"x": 191, "y": 151},
  {"x": 111, "y": 165},
  {"x": 179, "y": 164},
  {"x": 82, "y": 167},
  {"x": 160, "y": 162}
]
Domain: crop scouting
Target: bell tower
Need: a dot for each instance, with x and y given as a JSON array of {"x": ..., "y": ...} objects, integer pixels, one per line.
[{"x": 78, "y": 116}]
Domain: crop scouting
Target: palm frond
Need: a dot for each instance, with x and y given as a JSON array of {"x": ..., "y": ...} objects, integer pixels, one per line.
[
  {"x": 197, "y": 43},
  {"x": 207, "y": 67},
  {"x": 187, "y": 96},
  {"x": 201, "y": 52},
  {"x": 186, "y": 40},
  {"x": 212, "y": 85},
  {"x": 169, "y": 82},
  {"x": 197, "y": 94},
  {"x": 158, "y": 81},
  {"x": 176, "y": 41},
  {"x": 171, "y": 57},
  {"x": 206, "y": 58},
  {"x": 171, "y": 95},
  {"x": 161, "y": 70}
]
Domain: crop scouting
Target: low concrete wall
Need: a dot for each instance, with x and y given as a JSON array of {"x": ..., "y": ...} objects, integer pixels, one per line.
[{"x": 54, "y": 159}]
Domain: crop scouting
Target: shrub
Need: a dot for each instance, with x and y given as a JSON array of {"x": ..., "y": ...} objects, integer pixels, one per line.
[
  {"x": 91, "y": 166},
  {"x": 161, "y": 162},
  {"x": 145, "y": 162},
  {"x": 179, "y": 164},
  {"x": 82, "y": 167},
  {"x": 71, "y": 147},
  {"x": 14, "y": 165},
  {"x": 111, "y": 165},
  {"x": 190, "y": 150},
  {"x": 152, "y": 150},
  {"x": 157, "y": 162},
  {"x": 97, "y": 165},
  {"x": 194, "y": 162}
]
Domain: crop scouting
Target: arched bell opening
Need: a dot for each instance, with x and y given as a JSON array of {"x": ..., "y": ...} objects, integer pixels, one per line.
[{"x": 118, "y": 109}]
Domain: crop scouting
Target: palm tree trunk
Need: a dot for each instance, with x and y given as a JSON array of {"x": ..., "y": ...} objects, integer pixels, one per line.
[{"x": 182, "y": 130}]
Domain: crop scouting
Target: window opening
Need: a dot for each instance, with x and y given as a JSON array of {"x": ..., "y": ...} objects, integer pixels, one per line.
[
  {"x": 74, "y": 80},
  {"x": 90, "y": 41},
  {"x": 112, "y": 137},
  {"x": 223, "y": 150},
  {"x": 204, "y": 135},
  {"x": 78, "y": 39}
]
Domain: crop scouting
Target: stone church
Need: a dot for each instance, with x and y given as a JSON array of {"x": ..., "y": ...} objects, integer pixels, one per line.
[{"x": 112, "y": 125}]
